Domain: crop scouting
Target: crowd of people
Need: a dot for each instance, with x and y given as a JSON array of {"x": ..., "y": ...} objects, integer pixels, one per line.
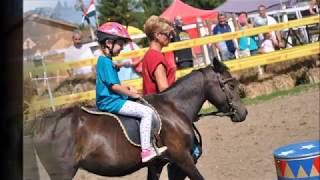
[
  {"x": 225, "y": 50},
  {"x": 247, "y": 45},
  {"x": 257, "y": 44}
]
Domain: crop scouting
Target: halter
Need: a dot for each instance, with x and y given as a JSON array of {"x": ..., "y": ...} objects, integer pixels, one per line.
[
  {"x": 231, "y": 107},
  {"x": 222, "y": 82}
]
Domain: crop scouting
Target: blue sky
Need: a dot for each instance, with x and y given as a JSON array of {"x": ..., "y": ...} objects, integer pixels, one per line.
[{"x": 32, "y": 4}]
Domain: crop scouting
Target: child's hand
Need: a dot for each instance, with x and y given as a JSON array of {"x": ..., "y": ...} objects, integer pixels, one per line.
[
  {"x": 117, "y": 66},
  {"x": 132, "y": 89},
  {"x": 122, "y": 64},
  {"x": 126, "y": 64}
]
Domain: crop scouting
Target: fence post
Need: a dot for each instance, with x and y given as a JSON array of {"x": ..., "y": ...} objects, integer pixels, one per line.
[
  {"x": 202, "y": 33},
  {"x": 46, "y": 80},
  {"x": 58, "y": 76}
]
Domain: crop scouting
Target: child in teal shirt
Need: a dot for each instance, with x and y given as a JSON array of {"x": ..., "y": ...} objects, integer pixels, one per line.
[{"x": 111, "y": 95}]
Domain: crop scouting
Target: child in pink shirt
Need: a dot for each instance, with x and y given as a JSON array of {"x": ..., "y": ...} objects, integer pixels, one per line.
[{"x": 267, "y": 44}]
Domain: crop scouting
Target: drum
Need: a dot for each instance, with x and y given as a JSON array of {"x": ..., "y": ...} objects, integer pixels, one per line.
[{"x": 300, "y": 161}]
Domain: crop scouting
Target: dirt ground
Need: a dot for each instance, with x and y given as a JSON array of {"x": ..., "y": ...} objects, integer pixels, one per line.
[{"x": 244, "y": 151}]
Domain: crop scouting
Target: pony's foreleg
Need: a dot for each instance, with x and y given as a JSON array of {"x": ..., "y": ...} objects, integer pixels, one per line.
[
  {"x": 154, "y": 170},
  {"x": 186, "y": 163},
  {"x": 175, "y": 172}
]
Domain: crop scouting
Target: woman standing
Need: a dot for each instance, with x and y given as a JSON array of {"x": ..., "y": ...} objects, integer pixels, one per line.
[
  {"x": 157, "y": 73},
  {"x": 247, "y": 44}
]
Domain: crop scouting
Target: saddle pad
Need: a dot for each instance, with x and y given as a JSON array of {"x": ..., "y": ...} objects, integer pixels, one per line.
[{"x": 130, "y": 125}]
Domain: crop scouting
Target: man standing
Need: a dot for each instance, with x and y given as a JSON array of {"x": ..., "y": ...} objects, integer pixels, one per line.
[
  {"x": 226, "y": 48},
  {"x": 78, "y": 52},
  {"x": 183, "y": 57},
  {"x": 263, "y": 19}
]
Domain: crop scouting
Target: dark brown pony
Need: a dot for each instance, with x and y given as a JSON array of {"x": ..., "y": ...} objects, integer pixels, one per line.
[{"x": 70, "y": 139}]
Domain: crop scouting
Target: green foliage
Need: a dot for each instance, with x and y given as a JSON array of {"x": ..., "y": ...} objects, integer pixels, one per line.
[
  {"x": 154, "y": 7},
  {"x": 204, "y": 4},
  {"x": 121, "y": 11},
  {"x": 135, "y": 12}
]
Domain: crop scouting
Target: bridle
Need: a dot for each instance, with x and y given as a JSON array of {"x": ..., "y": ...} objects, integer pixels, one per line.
[
  {"x": 222, "y": 82},
  {"x": 231, "y": 107}
]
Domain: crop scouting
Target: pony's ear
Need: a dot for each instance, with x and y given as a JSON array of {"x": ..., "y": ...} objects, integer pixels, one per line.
[{"x": 218, "y": 66}]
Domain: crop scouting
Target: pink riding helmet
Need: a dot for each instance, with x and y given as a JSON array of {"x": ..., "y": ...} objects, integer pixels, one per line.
[{"x": 112, "y": 31}]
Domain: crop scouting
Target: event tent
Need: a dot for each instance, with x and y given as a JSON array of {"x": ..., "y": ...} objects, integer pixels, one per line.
[
  {"x": 250, "y": 6},
  {"x": 187, "y": 12},
  {"x": 189, "y": 15}
]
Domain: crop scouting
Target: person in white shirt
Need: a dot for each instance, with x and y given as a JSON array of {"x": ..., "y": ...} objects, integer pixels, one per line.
[
  {"x": 127, "y": 67},
  {"x": 263, "y": 19},
  {"x": 78, "y": 52},
  {"x": 267, "y": 44}
]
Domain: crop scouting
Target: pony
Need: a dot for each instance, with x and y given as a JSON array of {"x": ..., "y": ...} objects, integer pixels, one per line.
[{"x": 69, "y": 139}]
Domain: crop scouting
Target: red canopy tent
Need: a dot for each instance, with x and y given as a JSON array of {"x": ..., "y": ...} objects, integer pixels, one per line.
[
  {"x": 189, "y": 15},
  {"x": 187, "y": 12}
]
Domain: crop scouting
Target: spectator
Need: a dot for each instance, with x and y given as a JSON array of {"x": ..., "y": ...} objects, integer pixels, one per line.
[
  {"x": 267, "y": 44},
  {"x": 78, "y": 52},
  {"x": 247, "y": 45},
  {"x": 314, "y": 7},
  {"x": 183, "y": 57},
  {"x": 157, "y": 73},
  {"x": 128, "y": 68},
  {"x": 226, "y": 48},
  {"x": 263, "y": 19}
]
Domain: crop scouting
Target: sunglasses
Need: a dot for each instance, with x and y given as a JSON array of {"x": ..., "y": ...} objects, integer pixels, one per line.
[{"x": 167, "y": 34}]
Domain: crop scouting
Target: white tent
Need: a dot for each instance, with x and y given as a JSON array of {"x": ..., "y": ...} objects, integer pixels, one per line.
[{"x": 249, "y": 6}]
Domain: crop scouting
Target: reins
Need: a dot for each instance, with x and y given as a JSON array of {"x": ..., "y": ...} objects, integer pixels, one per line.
[{"x": 222, "y": 83}]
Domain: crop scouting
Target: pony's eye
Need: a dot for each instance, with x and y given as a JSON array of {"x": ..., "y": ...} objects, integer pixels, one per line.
[{"x": 231, "y": 86}]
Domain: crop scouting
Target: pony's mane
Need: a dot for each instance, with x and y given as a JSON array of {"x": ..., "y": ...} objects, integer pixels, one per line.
[
  {"x": 183, "y": 79},
  {"x": 52, "y": 117},
  {"x": 217, "y": 66},
  {"x": 57, "y": 114}
]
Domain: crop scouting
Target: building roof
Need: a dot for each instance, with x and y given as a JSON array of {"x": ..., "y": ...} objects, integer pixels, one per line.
[{"x": 46, "y": 20}]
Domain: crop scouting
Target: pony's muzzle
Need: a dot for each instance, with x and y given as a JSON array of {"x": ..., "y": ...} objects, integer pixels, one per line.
[{"x": 239, "y": 115}]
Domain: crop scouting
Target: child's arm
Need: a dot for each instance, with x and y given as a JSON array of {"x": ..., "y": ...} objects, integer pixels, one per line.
[
  {"x": 118, "y": 65},
  {"x": 135, "y": 63},
  {"x": 125, "y": 90}
]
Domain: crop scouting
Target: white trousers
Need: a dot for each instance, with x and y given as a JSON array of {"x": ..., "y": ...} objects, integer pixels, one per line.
[{"x": 131, "y": 108}]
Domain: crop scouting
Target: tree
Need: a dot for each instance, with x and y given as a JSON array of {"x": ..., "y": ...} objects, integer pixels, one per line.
[
  {"x": 121, "y": 11},
  {"x": 135, "y": 12},
  {"x": 204, "y": 4},
  {"x": 154, "y": 7}
]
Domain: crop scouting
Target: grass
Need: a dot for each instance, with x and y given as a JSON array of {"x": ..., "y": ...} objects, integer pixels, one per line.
[
  {"x": 263, "y": 98},
  {"x": 292, "y": 91}
]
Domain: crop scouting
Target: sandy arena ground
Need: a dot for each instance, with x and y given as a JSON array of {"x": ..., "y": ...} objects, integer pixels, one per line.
[{"x": 244, "y": 151}]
